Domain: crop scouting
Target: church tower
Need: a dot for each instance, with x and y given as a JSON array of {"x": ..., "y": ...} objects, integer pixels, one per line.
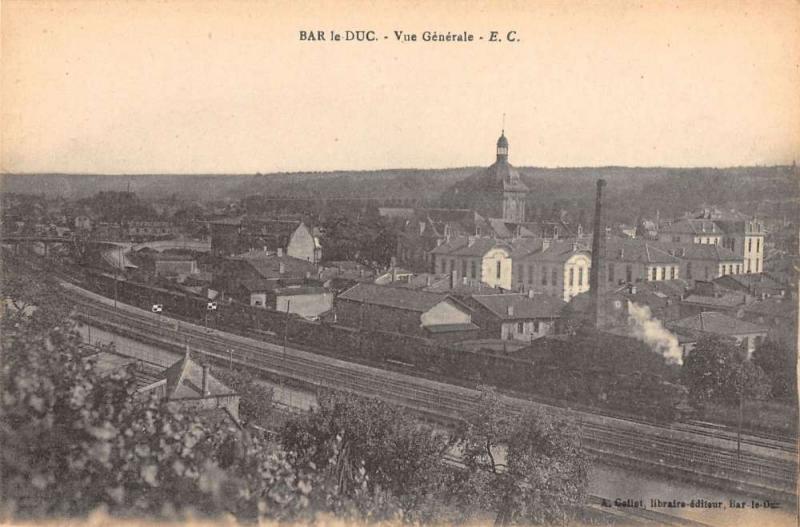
[{"x": 514, "y": 190}]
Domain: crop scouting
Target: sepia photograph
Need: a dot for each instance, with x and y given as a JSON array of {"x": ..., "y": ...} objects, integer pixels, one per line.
[{"x": 422, "y": 262}]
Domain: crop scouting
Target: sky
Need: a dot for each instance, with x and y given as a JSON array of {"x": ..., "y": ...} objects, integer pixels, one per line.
[{"x": 229, "y": 87}]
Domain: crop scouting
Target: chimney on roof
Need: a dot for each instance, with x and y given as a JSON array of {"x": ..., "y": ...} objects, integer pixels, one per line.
[
  {"x": 464, "y": 280},
  {"x": 281, "y": 268},
  {"x": 453, "y": 279},
  {"x": 206, "y": 375},
  {"x": 361, "y": 273},
  {"x": 280, "y": 252},
  {"x": 308, "y": 275},
  {"x": 427, "y": 280},
  {"x": 530, "y": 293},
  {"x": 510, "y": 310},
  {"x": 394, "y": 274},
  {"x": 546, "y": 243},
  {"x": 265, "y": 248},
  {"x": 597, "y": 272},
  {"x": 470, "y": 241}
]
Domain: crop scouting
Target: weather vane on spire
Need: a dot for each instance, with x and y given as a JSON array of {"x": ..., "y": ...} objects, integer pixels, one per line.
[{"x": 503, "y": 129}]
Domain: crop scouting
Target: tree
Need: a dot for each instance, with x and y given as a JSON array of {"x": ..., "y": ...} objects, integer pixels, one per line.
[
  {"x": 529, "y": 468},
  {"x": 717, "y": 370},
  {"x": 74, "y": 440},
  {"x": 778, "y": 362},
  {"x": 397, "y": 456}
]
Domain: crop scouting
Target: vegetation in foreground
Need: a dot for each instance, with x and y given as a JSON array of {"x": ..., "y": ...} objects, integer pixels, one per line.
[{"x": 75, "y": 441}]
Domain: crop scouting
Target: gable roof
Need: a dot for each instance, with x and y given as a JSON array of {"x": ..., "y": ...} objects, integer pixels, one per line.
[
  {"x": 692, "y": 226},
  {"x": 637, "y": 251},
  {"x": 470, "y": 246},
  {"x": 700, "y": 251},
  {"x": 268, "y": 265},
  {"x": 524, "y": 307},
  {"x": 559, "y": 251},
  {"x": 395, "y": 297},
  {"x": 717, "y": 323}
]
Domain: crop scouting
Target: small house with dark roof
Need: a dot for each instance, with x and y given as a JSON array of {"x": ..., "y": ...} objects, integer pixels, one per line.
[
  {"x": 759, "y": 285},
  {"x": 515, "y": 316},
  {"x": 407, "y": 311},
  {"x": 690, "y": 329},
  {"x": 185, "y": 385},
  {"x": 778, "y": 314}
]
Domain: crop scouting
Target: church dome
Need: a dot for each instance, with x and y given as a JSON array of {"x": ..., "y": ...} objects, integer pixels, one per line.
[{"x": 502, "y": 142}]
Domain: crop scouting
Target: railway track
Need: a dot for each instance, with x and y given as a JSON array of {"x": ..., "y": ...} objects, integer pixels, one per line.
[{"x": 446, "y": 404}]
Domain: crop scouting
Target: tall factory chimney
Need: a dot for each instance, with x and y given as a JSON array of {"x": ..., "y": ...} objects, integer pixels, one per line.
[{"x": 597, "y": 274}]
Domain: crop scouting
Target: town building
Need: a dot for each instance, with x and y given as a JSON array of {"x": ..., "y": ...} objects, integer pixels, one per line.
[
  {"x": 704, "y": 261},
  {"x": 487, "y": 260},
  {"x": 406, "y": 311},
  {"x": 233, "y": 236},
  {"x": 759, "y": 285},
  {"x": 236, "y": 276},
  {"x": 558, "y": 268},
  {"x": 515, "y": 316},
  {"x": 639, "y": 260},
  {"x": 307, "y": 301},
  {"x": 778, "y": 314},
  {"x": 690, "y": 329}
]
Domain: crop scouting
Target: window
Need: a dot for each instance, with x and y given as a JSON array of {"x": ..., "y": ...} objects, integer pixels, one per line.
[
  {"x": 758, "y": 244},
  {"x": 672, "y": 272},
  {"x": 544, "y": 275},
  {"x": 473, "y": 271},
  {"x": 520, "y": 327},
  {"x": 498, "y": 269},
  {"x": 554, "y": 276},
  {"x": 520, "y": 274},
  {"x": 652, "y": 273},
  {"x": 463, "y": 268},
  {"x": 452, "y": 265},
  {"x": 443, "y": 265},
  {"x": 747, "y": 266},
  {"x": 536, "y": 326},
  {"x": 749, "y": 244},
  {"x": 610, "y": 272},
  {"x": 758, "y": 266},
  {"x": 580, "y": 276},
  {"x": 571, "y": 276},
  {"x": 530, "y": 273},
  {"x": 663, "y": 271},
  {"x": 688, "y": 269},
  {"x": 629, "y": 273}
]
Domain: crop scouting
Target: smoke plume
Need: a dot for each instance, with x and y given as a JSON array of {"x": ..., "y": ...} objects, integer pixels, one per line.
[{"x": 650, "y": 331}]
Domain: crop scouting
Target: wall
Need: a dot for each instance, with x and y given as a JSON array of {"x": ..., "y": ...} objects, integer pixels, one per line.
[
  {"x": 579, "y": 265},
  {"x": 445, "y": 312},
  {"x": 311, "y": 305},
  {"x": 510, "y": 329},
  {"x": 172, "y": 268},
  {"x": 489, "y": 268},
  {"x": 301, "y": 244}
]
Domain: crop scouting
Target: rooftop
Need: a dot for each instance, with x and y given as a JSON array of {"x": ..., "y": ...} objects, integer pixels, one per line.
[
  {"x": 521, "y": 306},
  {"x": 396, "y": 297},
  {"x": 717, "y": 323}
]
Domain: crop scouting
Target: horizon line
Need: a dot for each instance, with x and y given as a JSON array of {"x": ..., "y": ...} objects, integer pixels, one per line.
[{"x": 342, "y": 170}]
